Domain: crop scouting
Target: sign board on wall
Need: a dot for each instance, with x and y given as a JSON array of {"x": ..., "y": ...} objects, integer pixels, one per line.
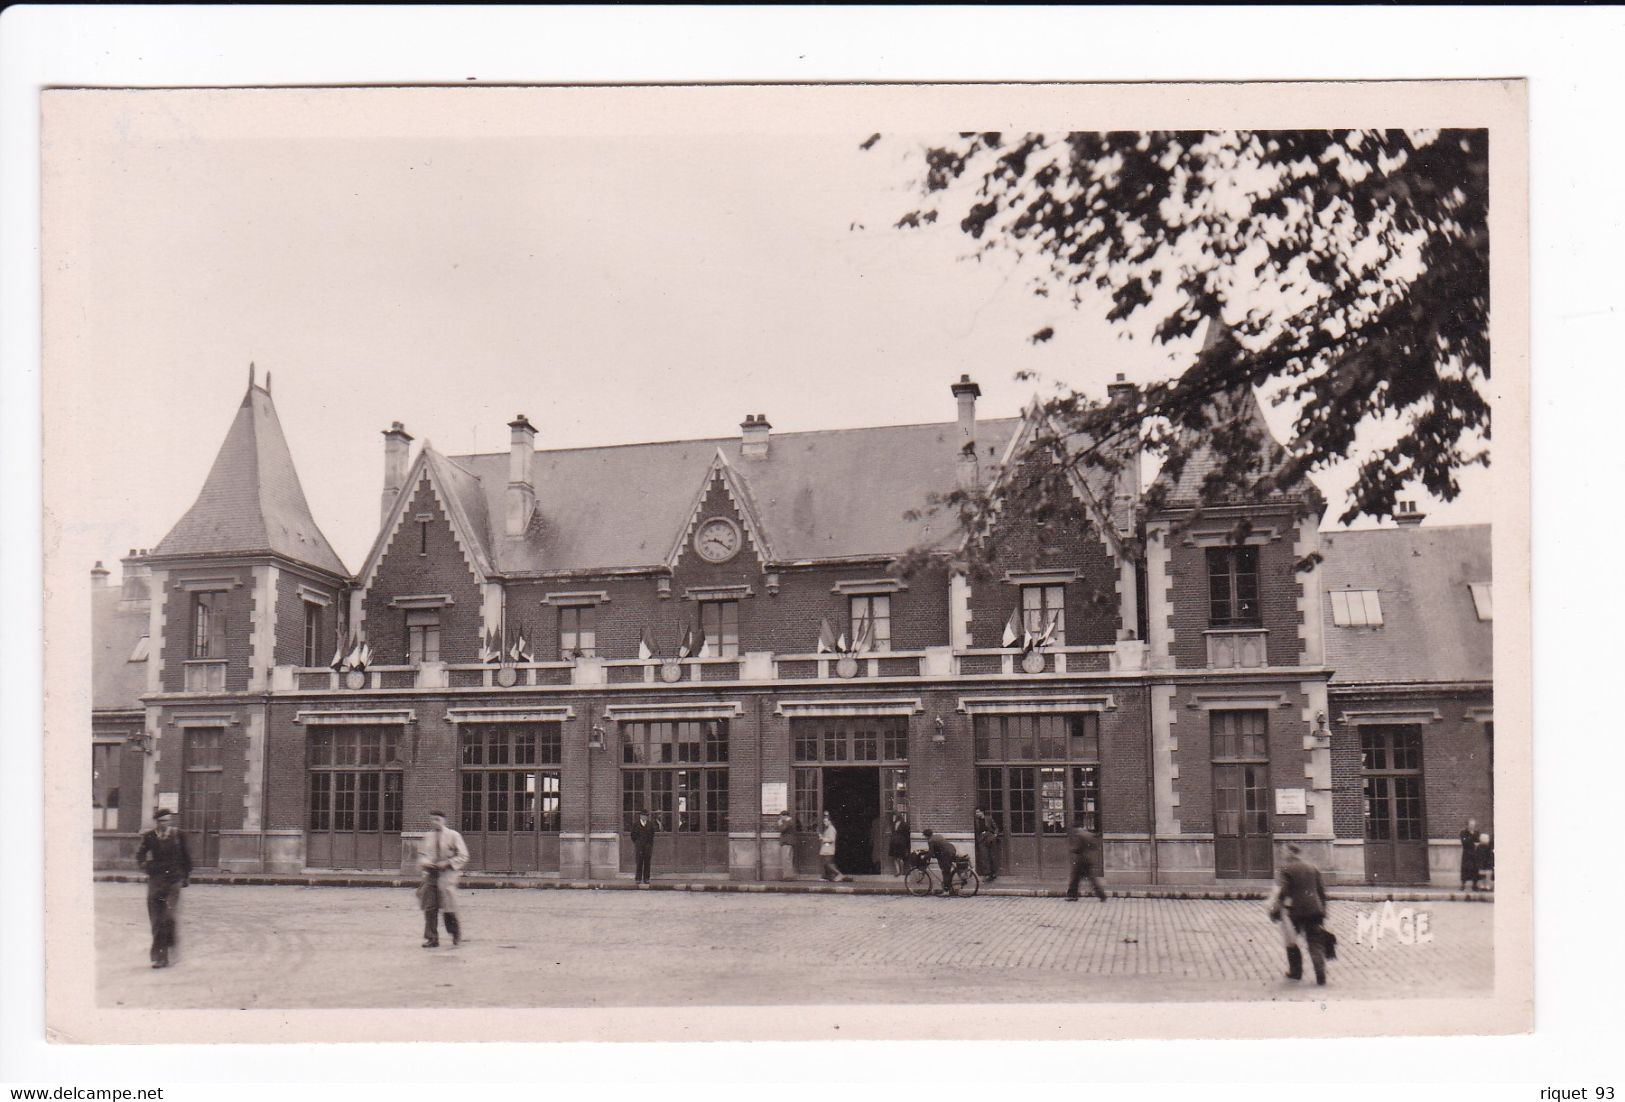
[
  {"x": 171, "y": 800},
  {"x": 1291, "y": 801},
  {"x": 775, "y": 797}
]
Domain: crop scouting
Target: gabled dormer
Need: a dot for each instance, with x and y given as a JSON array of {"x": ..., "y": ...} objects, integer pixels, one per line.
[
  {"x": 245, "y": 579},
  {"x": 424, "y": 589},
  {"x": 717, "y": 559}
]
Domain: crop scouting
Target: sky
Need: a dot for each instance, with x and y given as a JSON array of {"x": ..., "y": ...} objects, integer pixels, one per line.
[{"x": 618, "y": 269}]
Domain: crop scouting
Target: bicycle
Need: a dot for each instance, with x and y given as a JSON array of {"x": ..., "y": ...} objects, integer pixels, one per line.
[{"x": 922, "y": 876}]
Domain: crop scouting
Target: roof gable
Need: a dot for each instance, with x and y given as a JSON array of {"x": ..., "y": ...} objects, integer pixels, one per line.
[
  {"x": 738, "y": 496},
  {"x": 252, "y": 502},
  {"x": 1095, "y": 487},
  {"x": 460, "y": 496}
]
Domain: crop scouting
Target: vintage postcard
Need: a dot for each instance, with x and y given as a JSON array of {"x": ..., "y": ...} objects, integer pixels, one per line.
[{"x": 708, "y": 562}]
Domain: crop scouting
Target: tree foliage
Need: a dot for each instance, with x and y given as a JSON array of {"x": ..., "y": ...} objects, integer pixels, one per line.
[{"x": 1348, "y": 268}]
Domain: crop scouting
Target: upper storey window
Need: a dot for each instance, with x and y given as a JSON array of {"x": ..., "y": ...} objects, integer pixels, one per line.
[
  {"x": 871, "y": 616},
  {"x": 1232, "y": 587},
  {"x": 422, "y": 635},
  {"x": 719, "y": 624},
  {"x": 578, "y": 631},
  {"x": 1042, "y": 605},
  {"x": 209, "y": 624}
]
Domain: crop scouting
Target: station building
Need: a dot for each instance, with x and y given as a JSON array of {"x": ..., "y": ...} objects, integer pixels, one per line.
[{"x": 558, "y": 637}]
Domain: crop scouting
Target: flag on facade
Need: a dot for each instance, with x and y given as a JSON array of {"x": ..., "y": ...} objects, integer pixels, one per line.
[
  {"x": 1012, "y": 629},
  {"x": 704, "y": 648},
  {"x": 686, "y": 648},
  {"x": 490, "y": 650},
  {"x": 520, "y": 651},
  {"x": 337, "y": 665},
  {"x": 1048, "y": 633},
  {"x": 646, "y": 645},
  {"x": 863, "y": 638},
  {"x": 826, "y": 637},
  {"x": 840, "y": 642}
]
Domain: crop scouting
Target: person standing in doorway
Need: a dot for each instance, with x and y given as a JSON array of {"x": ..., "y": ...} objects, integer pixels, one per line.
[
  {"x": 1086, "y": 862},
  {"x": 786, "y": 826},
  {"x": 442, "y": 853},
  {"x": 163, "y": 857},
  {"x": 1470, "y": 872},
  {"x": 1301, "y": 894},
  {"x": 643, "y": 833},
  {"x": 826, "y": 850},
  {"x": 1484, "y": 855},
  {"x": 988, "y": 840},
  {"x": 899, "y": 843}
]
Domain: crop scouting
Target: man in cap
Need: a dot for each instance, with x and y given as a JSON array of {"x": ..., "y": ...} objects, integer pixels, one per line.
[
  {"x": 441, "y": 854},
  {"x": 1301, "y": 892},
  {"x": 162, "y": 856},
  {"x": 644, "y": 829}
]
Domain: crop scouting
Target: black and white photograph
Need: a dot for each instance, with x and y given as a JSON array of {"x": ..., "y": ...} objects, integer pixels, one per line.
[{"x": 711, "y": 548}]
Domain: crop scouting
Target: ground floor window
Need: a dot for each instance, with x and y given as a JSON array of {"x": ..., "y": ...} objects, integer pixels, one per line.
[
  {"x": 355, "y": 779},
  {"x": 681, "y": 801},
  {"x": 105, "y": 762},
  {"x": 1040, "y": 799}
]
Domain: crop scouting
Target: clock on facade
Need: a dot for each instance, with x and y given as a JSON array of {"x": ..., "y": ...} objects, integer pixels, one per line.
[{"x": 717, "y": 540}]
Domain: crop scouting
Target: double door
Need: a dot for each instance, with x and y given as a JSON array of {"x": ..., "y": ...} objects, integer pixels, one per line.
[
  {"x": 200, "y": 795},
  {"x": 1396, "y": 847},
  {"x": 1243, "y": 839},
  {"x": 860, "y": 801}
]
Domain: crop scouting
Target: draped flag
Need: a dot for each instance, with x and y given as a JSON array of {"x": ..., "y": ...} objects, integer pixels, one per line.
[
  {"x": 1012, "y": 629},
  {"x": 520, "y": 651},
  {"x": 646, "y": 645},
  {"x": 337, "y": 665},
  {"x": 490, "y": 648},
  {"x": 840, "y": 643},
  {"x": 366, "y": 656},
  {"x": 704, "y": 649},
  {"x": 1048, "y": 633},
  {"x": 686, "y": 648},
  {"x": 826, "y": 637},
  {"x": 352, "y": 660},
  {"x": 863, "y": 636}
]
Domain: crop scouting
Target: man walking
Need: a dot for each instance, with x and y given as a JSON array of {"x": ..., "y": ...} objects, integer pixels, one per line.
[
  {"x": 1086, "y": 862},
  {"x": 988, "y": 838},
  {"x": 162, "y": 856},
  {"x": 946, "y": 854},
  {"x": 442, "y": 855},
  {"x": 643, "y": 843},
  {"x": 1300, "y": 891}
]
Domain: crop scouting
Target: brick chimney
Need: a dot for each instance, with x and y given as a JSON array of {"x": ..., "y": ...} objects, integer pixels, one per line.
[
  {"x": 521, "y": 495},
  {"x": 98, "y": 576},
  {"x": 1121, "y": 392},
  {"x": 397, "y": 446},
  {"x": 966, "y": 393},
  {"x": 753, "y": 434},
  {"x": 1406, "y": 514}
]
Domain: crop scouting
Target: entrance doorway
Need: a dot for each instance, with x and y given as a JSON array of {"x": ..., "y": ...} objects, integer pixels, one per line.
[
  {"x": 852, "y": 800},
  {"x": 1396, "y": 848},
  {"x": 200, "y": 795},
  {"x": 1243, "y": 843}
]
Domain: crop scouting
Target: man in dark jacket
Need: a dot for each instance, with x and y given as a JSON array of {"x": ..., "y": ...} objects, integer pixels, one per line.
[
  {"x": 1300, "y": 891},
  {"x": 1086, "y": 862},
  {"x": 162, "y": 856},
  {"x": 988, "y": 839},
  {"x": 946, "y": 854},
  {"x": 643, "y": 843}
]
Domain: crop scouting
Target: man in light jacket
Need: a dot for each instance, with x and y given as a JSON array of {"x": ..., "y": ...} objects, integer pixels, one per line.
[{"x": 441, "y": 854}]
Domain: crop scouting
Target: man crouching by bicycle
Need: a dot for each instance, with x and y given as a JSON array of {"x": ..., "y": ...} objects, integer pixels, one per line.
[{"x": 946, "y": 855}]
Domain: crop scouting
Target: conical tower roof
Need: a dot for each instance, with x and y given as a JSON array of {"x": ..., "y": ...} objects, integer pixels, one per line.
[
  {"x": 252, "y": 502},
  {"x": 1232, "y": 418}
]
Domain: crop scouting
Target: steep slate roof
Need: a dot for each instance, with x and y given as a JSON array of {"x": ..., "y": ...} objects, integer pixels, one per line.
[
  {"x": 116, "y": 683},
  {"x": 1430, "y": 630},
  {"x": 818, "y": 495},
  {"x": 252, "y": 502},
  {"x": 1238, "y": 407}
]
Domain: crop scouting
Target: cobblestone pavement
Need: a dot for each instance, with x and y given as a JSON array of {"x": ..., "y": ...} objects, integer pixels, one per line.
[{"x": 294, "y": 947}]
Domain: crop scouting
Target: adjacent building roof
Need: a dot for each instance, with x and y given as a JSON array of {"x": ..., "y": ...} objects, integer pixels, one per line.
[
  {"x": 818, "y": 495},
  {"x": 116, "y": 626},
  {"x": 252, "y": 502},
  {"x": 1430, "y": 627}
]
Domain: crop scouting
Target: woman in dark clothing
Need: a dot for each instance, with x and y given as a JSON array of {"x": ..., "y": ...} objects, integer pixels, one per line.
[
  {"x": 899, "y": 843},
  {"x": 1469, "y": 855},
  {"x": 1484, "y": 853}
]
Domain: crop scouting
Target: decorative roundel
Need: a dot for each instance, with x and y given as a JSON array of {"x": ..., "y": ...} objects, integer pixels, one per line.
[
  {"x": 1032, "y": 662},
  {"x": 355, "y": 679},
  {"x": 846, "y": 666},
  {"x": 507, "y": 676},
  {"x": 671, "y": 671},
  {"x": 718, "y": 539}
]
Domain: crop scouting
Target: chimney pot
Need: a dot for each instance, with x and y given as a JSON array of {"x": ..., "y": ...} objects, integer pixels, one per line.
[
  {"x": 98, "y": 575},
  {"x": 397, "y": 447},
  {"x": 755, "y": 432}
]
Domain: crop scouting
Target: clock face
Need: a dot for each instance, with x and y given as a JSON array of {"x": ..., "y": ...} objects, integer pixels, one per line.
[{"x": 717, "y": 540}]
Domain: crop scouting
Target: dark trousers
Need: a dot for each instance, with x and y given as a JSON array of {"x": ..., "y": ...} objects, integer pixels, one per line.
[
  {"x": 987, "y": 858},
  {"x": 163, "y": 904},
  {"x": 1314, "y": 936},
  {"x": 946, "y": 866},
  {"x": 1081, "y": 869},
  {"x": 431, "y": 925},
  {"x": 645, "y": 855}
]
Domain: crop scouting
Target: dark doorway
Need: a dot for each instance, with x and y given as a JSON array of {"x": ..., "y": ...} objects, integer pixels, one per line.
[{"x": 852, "y": 799}]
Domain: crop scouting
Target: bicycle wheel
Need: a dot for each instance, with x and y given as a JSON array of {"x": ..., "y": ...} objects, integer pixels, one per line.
[
  {"x": 966, "y": 882},
  {"x": 918, "y": 882}
]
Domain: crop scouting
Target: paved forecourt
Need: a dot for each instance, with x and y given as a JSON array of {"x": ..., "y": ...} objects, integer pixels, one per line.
[{"x": 289, "y": 947}]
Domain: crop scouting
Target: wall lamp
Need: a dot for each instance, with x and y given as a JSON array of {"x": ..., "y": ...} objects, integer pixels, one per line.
[
  {"x": 595, "y": 737},
  {"x": 939, "y": 737},
  {"x": 1320, "y": 731},
  {"x": 142, "y": 742}
]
